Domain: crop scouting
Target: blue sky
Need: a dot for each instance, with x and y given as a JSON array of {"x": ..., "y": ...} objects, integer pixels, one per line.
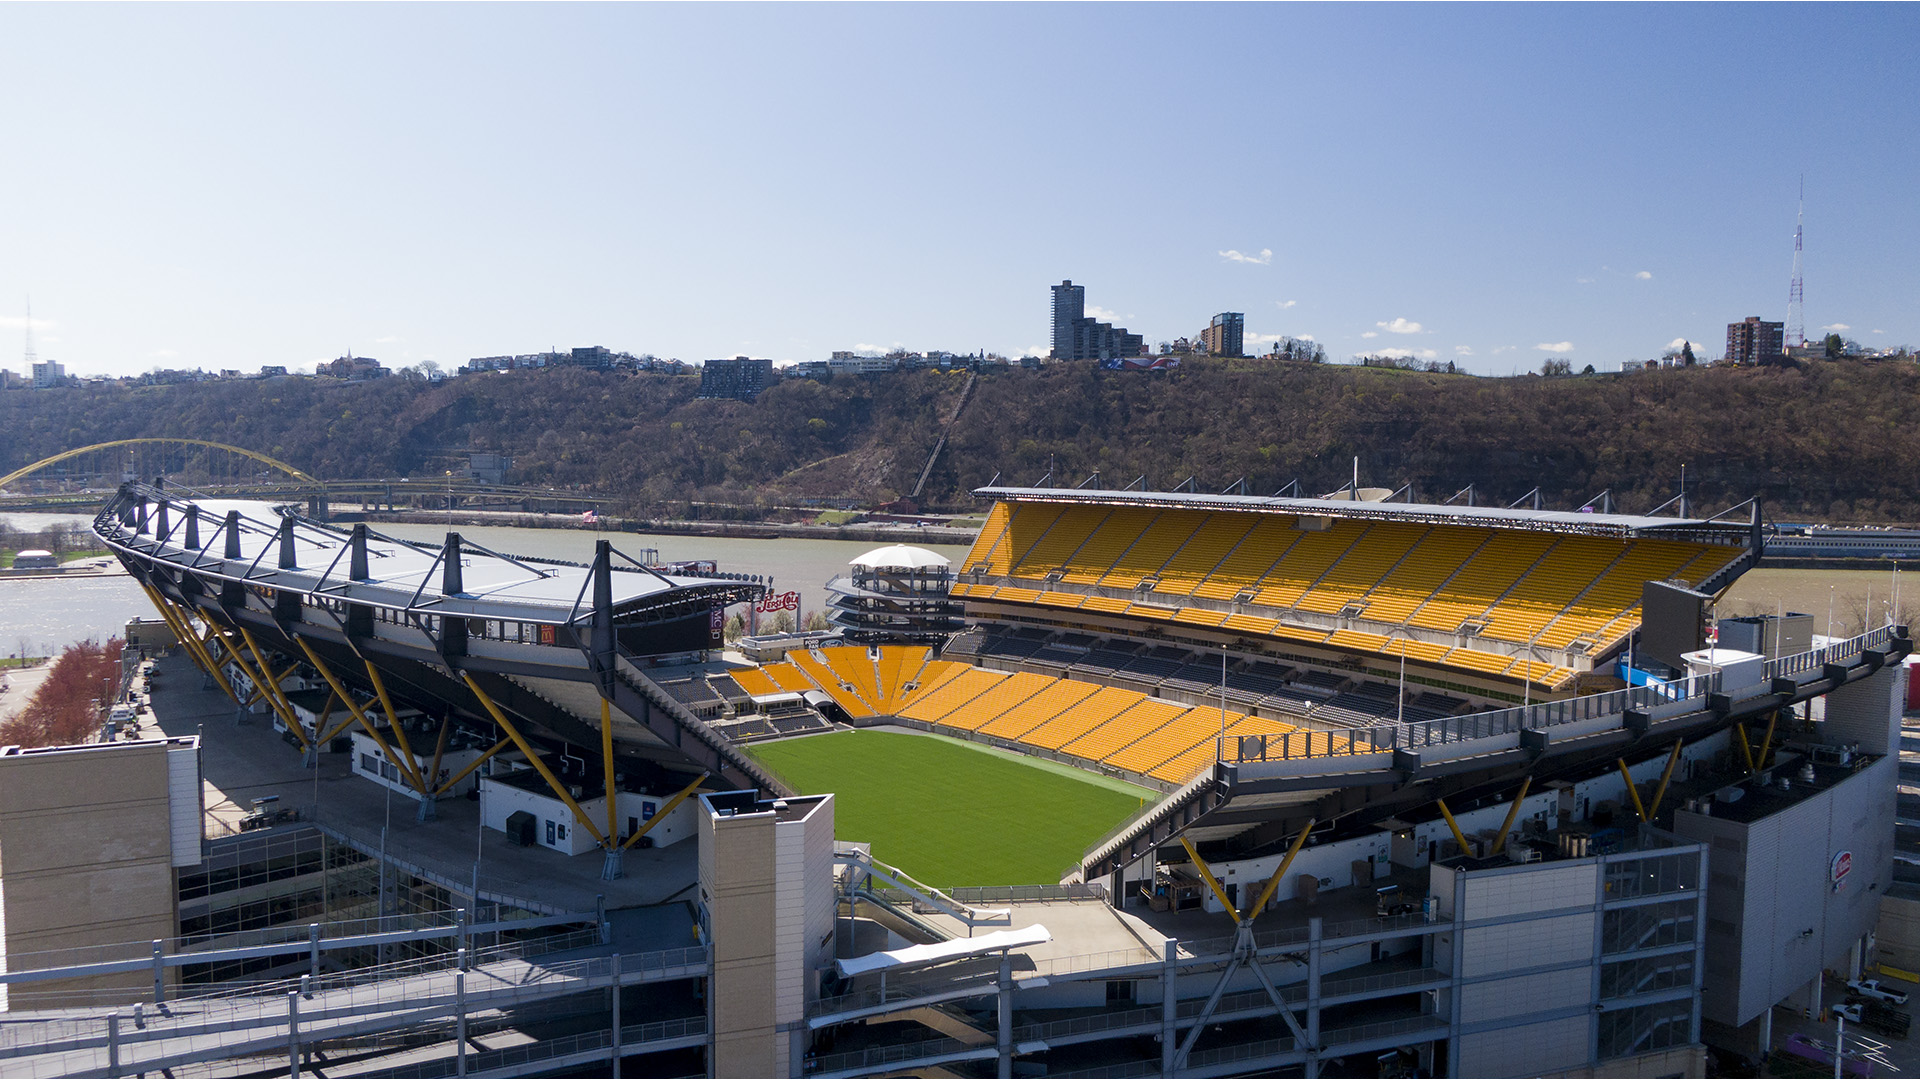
[{"x": 236, "y": 185}]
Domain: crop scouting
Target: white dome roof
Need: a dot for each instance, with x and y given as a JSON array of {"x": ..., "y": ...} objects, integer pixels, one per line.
[{"x": 901, "y": 556}]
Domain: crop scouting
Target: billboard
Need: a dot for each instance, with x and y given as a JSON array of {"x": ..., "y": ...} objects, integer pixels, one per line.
[{"x": 1672, "y": 623}]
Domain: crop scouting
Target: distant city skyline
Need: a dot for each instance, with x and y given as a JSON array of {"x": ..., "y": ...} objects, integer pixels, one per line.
[{"x": 232, "y": 186}]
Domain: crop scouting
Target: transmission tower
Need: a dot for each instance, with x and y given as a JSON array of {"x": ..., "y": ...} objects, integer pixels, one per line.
[
  {"x": 1796, "y": 316},
  {"x": 31, "y": 358}
]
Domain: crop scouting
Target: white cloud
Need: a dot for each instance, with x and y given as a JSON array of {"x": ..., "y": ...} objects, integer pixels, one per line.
[
  {"x": 1681, "y": 343},
  {"x": 1504, "y": 348},
  {"x": 1409, "y": 354},
  {"x": 1644, "y": 275},
  {"x": 19, "y": 322},
  {"x": 1369, "y": 334},
  {"x": 388, "y": 340},
  {"x": 1583, "y": 281},
  {"x": 1284, "y": 304},
  {"x": 1303, "y": 337},
  {"x": 1036, "y": 350},
  {"x": 1263, "y": 339},
  {"x": 1555, "y": 346},
  {"x": 165, "y": 354},
  {"x": 1103, "y": 314},
  {"x": 1262, "y": 259},
  {"x": 1838, "y": 328},
  {"x": 1400, "y": 326},
  {"x": 865, "y": 348},
  {"x": 1463, "y": 350},
  {"x": 1879, "y": 331}
]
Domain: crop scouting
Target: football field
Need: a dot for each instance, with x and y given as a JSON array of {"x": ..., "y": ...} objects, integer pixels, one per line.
[{"x": 952, "y": 813}]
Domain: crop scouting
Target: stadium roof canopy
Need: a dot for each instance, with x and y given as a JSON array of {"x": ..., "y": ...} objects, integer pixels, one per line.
[
  {"x": 401, "y": 575},
  {"x": 900, "y": 556},
  {"x": 1591, "y": 523}
]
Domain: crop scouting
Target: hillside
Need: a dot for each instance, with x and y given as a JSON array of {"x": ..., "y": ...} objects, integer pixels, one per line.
[{"x": 1832, "y": 441}]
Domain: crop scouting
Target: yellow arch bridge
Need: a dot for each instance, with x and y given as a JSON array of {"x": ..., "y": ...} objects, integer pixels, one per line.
[{"x": 79, "y": 478}]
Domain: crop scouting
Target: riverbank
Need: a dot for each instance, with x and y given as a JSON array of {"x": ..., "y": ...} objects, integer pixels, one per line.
[
  {"x": 106, "y": 566},
  {"x": 871, "y": 533}
]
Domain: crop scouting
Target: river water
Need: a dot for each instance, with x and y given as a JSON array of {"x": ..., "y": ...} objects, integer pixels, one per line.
[{"x": 43, "y": 615}]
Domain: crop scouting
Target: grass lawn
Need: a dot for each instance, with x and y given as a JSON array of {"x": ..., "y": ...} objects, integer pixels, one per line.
[{"x": 953, "y": 813}]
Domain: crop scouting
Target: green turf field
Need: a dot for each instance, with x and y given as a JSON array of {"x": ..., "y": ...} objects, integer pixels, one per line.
[{"x": 952, "y": 813}]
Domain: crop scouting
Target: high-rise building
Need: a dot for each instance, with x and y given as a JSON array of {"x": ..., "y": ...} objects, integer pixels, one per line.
[
  {"x": 1753, "y": 341},
  {"x": 1069, "y": 307},
  {"x": 1076, "y": 337},
  {"x": 739, "y": 377},
  {"x": 1225, "y": 335},
  {"x": 46, "y": 374}
]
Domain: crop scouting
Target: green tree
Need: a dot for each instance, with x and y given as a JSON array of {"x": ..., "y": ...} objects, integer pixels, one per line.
[{"x": 1834, "y": 346}]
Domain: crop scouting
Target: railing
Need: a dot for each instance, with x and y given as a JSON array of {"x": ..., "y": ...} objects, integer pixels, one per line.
[
  {"x": 875, "y": 1057},
  {"x": 211, "y": 1029},
  {"x": 1550, "y": 714},
  {"x": 1147, "y": 813},
  {"x": 1818, "y": 658},
  {"x": 1363, "y": 1032},
  {"x": 1003, "y": 894},
  {"x": 723, "y": 747},
  {"x": 633, "y": 1037}
]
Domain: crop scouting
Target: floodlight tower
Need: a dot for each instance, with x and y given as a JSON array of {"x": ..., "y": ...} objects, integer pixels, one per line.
[{"x": 1796, "y": 317}]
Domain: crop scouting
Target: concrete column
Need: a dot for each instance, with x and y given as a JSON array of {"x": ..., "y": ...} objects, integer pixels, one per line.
[
  {"x": 1005, "y": 1026},
  {"x": 1314, "y": 958},
  {"x": 460, "y": 1017},
  {"x": 1169, "y": 1006},
  {"x": 615, "y": 992},
  {"x": 293, "y": 1034}
]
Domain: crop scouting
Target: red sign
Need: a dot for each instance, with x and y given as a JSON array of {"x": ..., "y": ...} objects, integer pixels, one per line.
[
  {"x": 789, "y": 601},
  {"x": 1842, "y": 866}
]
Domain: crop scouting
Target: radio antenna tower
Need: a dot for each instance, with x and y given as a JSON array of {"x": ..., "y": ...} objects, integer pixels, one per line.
[
  {"x": 1796, "y": 316},
  {"x": 31, "y": 358}
]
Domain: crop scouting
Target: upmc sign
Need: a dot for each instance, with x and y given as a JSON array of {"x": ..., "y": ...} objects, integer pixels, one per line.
[{"x": 1841, "y": 867}]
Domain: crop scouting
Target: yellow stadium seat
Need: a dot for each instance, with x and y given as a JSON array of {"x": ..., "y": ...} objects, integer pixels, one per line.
[
  {"x": 1169, "y": 532},
  {"x": 1143, "y": 718}
]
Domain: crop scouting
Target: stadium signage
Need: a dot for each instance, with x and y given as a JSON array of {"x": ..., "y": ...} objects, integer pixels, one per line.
[
  {"x": 1841, "y": 866},
  {"x": 787, "y": 601}
]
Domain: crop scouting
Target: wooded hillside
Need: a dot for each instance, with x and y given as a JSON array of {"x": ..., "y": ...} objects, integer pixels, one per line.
[{"x": 1835, "y": 441}]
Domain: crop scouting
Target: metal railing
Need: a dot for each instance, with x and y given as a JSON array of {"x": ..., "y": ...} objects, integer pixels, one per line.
[
  {"x": 213, "y": 1029},
  {"x": 874, "y": 1057},
  {"x": 1818, "y": 658},
  {"x": 1453, "y": 729},
  {"x": 633, "y": 1038}
]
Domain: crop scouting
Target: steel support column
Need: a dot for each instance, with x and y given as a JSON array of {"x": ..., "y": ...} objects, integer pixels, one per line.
[{"x": 533, "y": 757}]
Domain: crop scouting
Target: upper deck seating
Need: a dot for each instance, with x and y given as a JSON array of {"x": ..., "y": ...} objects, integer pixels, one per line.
[{"x": 1169, "y": 532}]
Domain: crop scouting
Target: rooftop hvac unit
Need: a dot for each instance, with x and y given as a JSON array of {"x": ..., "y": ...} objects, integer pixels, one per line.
[{"x": 1523, "y": 853}]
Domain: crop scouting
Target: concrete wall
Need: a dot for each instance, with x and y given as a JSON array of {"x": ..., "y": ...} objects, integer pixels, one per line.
[
  {"x": 1897, "y": 936},
  {"x": 766, "y": 886},
  {"x": 499, "y": 801},
  {"x": 87, "y": 854},
  {"x": 367, "y": 752},
  {"x": 1769, "y": 885},
  {"x": 1868, "y": 711},
  {"x": 737, "y": 887}
]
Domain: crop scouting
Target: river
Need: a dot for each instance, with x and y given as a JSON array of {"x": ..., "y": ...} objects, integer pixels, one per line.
[{"x": 45, "y": 615}]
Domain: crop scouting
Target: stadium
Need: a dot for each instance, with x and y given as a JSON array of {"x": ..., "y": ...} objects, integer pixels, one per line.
[{"x": 1388, "y": 788}]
